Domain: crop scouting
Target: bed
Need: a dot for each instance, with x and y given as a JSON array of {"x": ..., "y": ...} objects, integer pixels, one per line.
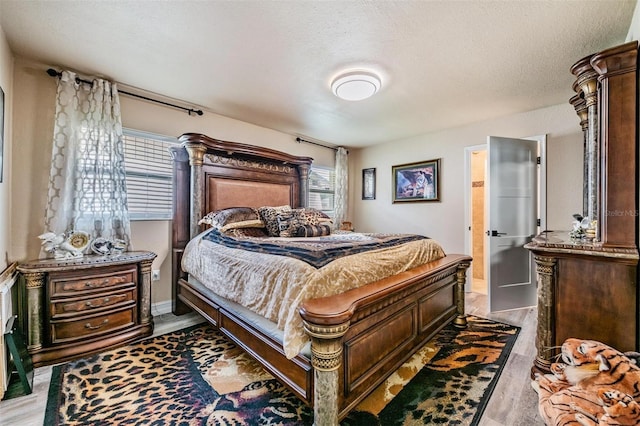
[{"x": 357, "y": 337}]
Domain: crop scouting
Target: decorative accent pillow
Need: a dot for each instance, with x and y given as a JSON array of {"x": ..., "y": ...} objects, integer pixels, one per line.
[
  {"x": 253, "y": 223},
  {"x": 288, "y": 223},
  {"x": 247, "y": 232},
  {"x": 223, "y": 217},
  {"x": 312, "y": 216},
  {"x": 313, "y": 230},
  {"x": 270, "y": 217}
]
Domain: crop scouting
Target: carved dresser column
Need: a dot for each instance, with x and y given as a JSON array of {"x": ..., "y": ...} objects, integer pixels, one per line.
[
  {"x": 34, "y": 283},
  {"x": 145, "y": 292},
  {"x": 587, "y": 81},
  {"x": 546, "y": 269},
  {"x": 196, "y": 157},
  {"x": 580, "y": 106},
  {"x": 326, "y": 350}
]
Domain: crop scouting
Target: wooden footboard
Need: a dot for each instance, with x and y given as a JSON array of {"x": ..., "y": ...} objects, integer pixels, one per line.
[
  {"x": 361, "y": 336},
  {"x": 358, "y": 337}
]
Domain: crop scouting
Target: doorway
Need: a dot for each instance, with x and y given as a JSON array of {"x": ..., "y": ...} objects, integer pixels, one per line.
[
  {"x": 478, "y": 162},
  {"x": 503, "y": 279}
]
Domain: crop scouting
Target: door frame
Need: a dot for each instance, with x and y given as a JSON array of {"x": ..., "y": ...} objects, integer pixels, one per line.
[{"x": 542, "y": 196}]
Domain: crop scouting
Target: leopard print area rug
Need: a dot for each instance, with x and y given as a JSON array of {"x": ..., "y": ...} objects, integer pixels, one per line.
[{"x": 197, "y": 377}]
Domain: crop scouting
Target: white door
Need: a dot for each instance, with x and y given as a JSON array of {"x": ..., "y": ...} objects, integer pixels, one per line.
[{"x": 512, "y": 210}]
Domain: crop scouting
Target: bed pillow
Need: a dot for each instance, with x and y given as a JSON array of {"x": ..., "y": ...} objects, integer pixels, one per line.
[
  {"x": 247, "y": 232},
  {"x": 288, "y": 223},
  {"x": 253, "y": 223},
  {"x": 269, "y": 215},
  {"x": 313, "y": 230},
  {"x": 223, "y": 217},
  {"x": 312, "y": 216}
]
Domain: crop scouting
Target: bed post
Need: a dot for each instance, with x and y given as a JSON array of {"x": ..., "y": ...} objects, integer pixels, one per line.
[
  {"x": 326, "y": 351},
  {"x": 180, "y": 225},
  {"x": 196, "y": 158},
  {"x": 461, "y": 276},
  {"x": 303, "y": 171}
]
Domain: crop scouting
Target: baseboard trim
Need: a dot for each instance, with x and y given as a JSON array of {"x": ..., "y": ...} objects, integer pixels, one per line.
[{"x": 160, "y": 308}]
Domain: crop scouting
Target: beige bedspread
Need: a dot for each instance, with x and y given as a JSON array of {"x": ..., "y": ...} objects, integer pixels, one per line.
[{"x": 274, "y": 286}]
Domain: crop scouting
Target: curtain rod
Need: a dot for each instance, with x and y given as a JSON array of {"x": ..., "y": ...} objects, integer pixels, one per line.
[
  {"x": 300, "y": 140},
  {"x": 54, "y": 73}
]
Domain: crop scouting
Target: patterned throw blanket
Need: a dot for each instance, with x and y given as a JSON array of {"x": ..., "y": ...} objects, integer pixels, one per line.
[{"x": 316, "y": 251}]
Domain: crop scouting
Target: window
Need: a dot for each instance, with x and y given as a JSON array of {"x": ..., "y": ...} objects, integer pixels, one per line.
[
  {"x": 322, "y": 184},
  {"x": 148, "y": 170}
]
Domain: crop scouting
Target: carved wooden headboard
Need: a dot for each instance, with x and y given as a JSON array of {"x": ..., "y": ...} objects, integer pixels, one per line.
[{"x": 211, "y": 174}]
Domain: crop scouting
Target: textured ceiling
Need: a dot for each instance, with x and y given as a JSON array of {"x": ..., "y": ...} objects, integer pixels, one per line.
[{"x": 443, "y": 63}]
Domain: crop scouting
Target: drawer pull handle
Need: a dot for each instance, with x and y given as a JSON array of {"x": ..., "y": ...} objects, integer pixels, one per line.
[
  {"x": 91, "y": 305},
  {"x": 91, "y": 284},
  {"x": 95, "y": 327}
]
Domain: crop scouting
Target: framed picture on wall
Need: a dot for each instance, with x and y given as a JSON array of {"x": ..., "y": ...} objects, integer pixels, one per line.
[
  {"x": 369, "y": 184},
  {"x": 1, "y": 132},
  {"x": 416, "y": 181}
]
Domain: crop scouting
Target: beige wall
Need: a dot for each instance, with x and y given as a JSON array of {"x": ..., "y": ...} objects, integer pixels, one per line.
[
  {"x": 33, "y": 126},
  {"x": 6, "y": 80},
  {"x": 444, "y": 220}
]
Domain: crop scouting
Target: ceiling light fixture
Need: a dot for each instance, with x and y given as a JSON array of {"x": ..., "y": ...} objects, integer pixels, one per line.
[{"x": 356, "y": 85}]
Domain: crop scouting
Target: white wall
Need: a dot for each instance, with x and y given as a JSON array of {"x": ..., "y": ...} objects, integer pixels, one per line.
[
  {"x": 634, "y": 28},
  {"x": 444, "y": 220},
  {"x": 6, "y": 80}
]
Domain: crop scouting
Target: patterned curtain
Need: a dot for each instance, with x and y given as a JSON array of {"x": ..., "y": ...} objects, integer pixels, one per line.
[
  {"x": 342, "y": 187},
  {"x": 87, "y": 189}
]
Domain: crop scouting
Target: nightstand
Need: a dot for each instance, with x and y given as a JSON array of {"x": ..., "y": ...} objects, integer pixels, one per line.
[{"x": 76, "y": 307}]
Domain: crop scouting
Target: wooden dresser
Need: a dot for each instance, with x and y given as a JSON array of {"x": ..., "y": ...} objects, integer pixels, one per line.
[
  {"x": 589, "y": 289},
  {"x": 72, "y": 308}
]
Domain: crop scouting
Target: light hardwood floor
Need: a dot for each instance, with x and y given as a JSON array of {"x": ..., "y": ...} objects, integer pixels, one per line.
[{"x": 513, "y": 402}]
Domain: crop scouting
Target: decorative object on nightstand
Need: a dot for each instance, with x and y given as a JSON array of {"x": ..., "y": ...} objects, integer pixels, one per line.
[
  {"x": 346, "y": 226},
  {"x": 105, "y": 247},
  {"x": 78, "y": 306},
  {"x": 65, "y": 246}
]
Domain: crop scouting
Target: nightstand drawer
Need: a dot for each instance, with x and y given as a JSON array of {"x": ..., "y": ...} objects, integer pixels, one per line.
[
  {"x": 82, "y": 328},
  {"x": 70, "y": 307},
  {"x": 73, "y": 287}
]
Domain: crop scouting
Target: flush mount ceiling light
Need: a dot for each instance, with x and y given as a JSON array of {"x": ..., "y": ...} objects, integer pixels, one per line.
[{"x": 355, "y": 85}]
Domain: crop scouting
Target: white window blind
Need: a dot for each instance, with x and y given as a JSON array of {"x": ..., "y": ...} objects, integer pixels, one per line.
[
  {"x": 149, "y": 172},
  {"x": 322, "y": 184}
]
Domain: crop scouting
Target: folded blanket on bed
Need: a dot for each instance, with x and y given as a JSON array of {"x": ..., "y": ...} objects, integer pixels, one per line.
[
  {"x": 273, "y": 286},
  {"x": 317, "y": 252}
]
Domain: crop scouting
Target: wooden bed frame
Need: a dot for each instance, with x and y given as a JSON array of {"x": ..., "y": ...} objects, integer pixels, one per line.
[{"x": 358, "y": 338}]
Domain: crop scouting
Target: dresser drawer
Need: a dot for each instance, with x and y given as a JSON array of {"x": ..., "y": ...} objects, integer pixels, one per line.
[
  {"x": 82, "y": 306},
  {"x": 62, "y": 286},
  {"x": 82, "y": 328}
]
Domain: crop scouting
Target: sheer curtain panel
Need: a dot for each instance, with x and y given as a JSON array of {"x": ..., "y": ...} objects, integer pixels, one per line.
[
  {"x": 87, "y": 189},
  {"x": 342, "y": 171}
]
